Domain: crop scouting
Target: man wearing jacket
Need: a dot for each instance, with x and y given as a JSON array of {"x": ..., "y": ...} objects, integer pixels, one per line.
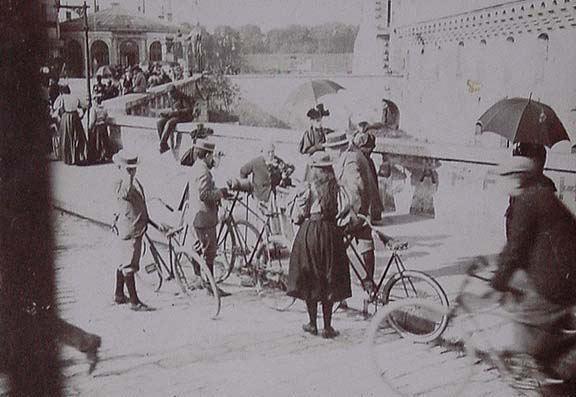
[
  {"x": 204, "y": 200},
  {"x": 353, "y": 173},
  {"x": 537, "y": 264}
]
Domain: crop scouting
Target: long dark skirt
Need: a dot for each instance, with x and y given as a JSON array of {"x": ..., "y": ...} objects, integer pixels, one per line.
[
  {"x": 98, "y": 144},
  {"x": 319, "y": 268},
  {"x": 73, "y": 140}
]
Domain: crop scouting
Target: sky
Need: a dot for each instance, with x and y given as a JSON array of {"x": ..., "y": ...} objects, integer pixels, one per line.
[{"x": 267, "y": 14}]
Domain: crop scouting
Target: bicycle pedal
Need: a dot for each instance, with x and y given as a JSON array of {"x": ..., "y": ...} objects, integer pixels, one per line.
[{"x": 150, "y": 268}]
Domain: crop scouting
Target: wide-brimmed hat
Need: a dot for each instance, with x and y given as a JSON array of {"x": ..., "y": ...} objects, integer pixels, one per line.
[
  {"x": 204, "y": 145},
  {"x": 335, "y": 139},
  {"x": 314, "y": 114},
  {"x": 320, "y": 159},
  {"x": 323, "y": 112},
  {"x": 516, "y": 165},
  {"x": 126, "y": 159}
]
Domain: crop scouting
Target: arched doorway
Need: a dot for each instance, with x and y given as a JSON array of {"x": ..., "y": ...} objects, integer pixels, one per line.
[
  {"x": 100, "y": 54},
  {"x": 390, "y": 114},
  {"x": 74, "y": 59},
  {"x": 155, "y": 52},
  {"x": 129, "y": 54}
]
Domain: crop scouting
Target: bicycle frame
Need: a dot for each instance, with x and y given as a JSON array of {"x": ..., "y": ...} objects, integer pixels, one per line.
[
  {"x": 394, "y": 259},
  {"x": 230, "y": 220}
]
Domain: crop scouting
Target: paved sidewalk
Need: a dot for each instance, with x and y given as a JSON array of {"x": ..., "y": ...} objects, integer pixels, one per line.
[{"x": 251, "y": 350}]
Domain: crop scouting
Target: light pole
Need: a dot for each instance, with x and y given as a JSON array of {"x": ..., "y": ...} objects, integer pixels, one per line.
[{"x": 83, "y": 12}]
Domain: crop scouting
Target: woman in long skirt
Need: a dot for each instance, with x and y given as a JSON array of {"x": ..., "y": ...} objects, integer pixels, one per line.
[
  {"x": 319, "y": 269},
  {"x": 72, "y": 136}
]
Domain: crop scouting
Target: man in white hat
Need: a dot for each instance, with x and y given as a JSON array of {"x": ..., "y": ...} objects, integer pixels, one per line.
[
  {"x": 131, "y": 223},
  {"x": 204, "y": 200},
  {"x": 353, "y": 174}
]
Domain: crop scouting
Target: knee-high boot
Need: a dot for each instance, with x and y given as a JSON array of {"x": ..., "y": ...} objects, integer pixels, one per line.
[
  {"x": 135, "y": 303},
  {"x": 119, "y": 296}
]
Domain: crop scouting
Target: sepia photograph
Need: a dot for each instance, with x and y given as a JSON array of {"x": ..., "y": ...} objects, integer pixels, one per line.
[{"x": 293, "y": 198}]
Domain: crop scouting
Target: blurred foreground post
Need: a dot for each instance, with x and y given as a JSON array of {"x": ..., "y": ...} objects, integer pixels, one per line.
[{"x": 28, "y": 349}]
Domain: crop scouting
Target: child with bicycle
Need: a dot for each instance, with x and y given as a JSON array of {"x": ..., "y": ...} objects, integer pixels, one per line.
[{"x": 318, "y": 270}]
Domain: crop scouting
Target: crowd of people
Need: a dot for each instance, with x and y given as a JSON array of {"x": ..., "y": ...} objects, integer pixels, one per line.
[{"x": 338, "y": 192}]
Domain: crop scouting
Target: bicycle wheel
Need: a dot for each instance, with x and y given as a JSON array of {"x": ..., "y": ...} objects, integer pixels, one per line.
[
  {"x": 226, "y": 257},
  {"x": 247, "y": 237},
  {"x": 272, "y": 289},
  {"x": 410, "y": 368},
  {"x": 418, "y": 323},
  {"x": 197, "y": 282}
]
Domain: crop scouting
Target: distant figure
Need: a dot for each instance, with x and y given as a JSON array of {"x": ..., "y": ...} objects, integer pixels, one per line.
[
  {"x": 99, "y": 147},
  {"x": 127, "y": 86},
  {"x": 181, "y": 109},
  {"x": 139, "y": 80},
  {"x": 72, "y": 135},
  {"x": 315, "y": 136},
  {"x": 99, "y": 89}
]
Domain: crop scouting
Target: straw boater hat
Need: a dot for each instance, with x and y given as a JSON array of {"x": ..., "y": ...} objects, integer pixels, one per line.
[
  {"x": 335, "y": 140},
  {"x": 204, "y": 145},
  {"x": 126, "y": 159},
  {"x": 320, "y": 159}
]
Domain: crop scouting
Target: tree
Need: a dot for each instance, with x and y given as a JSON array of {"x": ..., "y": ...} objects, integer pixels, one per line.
[{"x": 253, "y": 40}]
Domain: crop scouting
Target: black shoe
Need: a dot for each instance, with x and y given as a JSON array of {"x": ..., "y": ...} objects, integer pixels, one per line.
[
  {"x": 164, "y": 147},
  {"x": 121, "y": 299},
  {"x": 329, "y": 333},
  {"x": 311, "y": 329},
  {"x": 141, "y": 307},
  {"x": 92, "y": 353}
]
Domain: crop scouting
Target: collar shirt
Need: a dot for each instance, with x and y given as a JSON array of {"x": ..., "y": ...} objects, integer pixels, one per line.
[
  {"x": 204, "y": 197},
  {"x": 132, "y": 213}
]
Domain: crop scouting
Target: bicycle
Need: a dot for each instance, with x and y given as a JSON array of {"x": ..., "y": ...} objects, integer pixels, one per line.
[
  {"x": 401, "y": 285},
  {"x": 185, "y": 265},
  {"x": 261, "y": 252},
  {"x": 456, "y": 364}
]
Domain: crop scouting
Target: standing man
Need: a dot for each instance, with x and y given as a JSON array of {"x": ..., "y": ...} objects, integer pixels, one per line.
[
  {"x": 315, "y": 136},
  {"x": 139, "y": 81},
  {"x": 182, "y": 109},
  {"x": 204, "y": 200},
  {"x": 353, "y": 174},
  {"x": 131, "y": 223},
  {"x": 365, "y": 142}
]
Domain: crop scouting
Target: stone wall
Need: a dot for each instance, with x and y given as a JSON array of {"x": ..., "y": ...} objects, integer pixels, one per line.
[
  {"x": 155, "y": 98},
  {"x": 455, "y": 67}
]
